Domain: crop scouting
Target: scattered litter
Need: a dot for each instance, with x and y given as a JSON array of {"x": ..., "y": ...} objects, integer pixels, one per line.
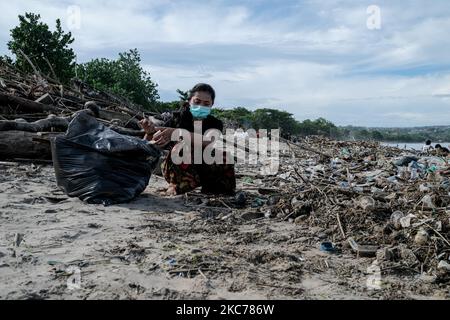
[
  {"x": 363, "y": 250},
  {"x": 171, "y": 262},
  {"x": 247, "y": 180},
  {"x": 258, "y": 202},
  {"x": 240, "y": 199},
  {"x": 18, "y": 238},
  {"x": 427, "y": 201},
  {"x": 421, "y": 237},
  {"x": 366, "y": 203},
  {"x": 444, "y": 266},
  {"x": 327, "y": 247}
]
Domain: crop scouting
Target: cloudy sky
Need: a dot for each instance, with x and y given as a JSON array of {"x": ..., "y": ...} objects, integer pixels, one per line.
[{"x": 312, "y": 58}]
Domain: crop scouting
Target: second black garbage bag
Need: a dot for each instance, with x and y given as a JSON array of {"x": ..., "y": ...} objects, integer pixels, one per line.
[{"x": 100, "y": 166}]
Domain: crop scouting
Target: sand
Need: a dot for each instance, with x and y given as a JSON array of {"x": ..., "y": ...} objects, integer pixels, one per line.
[{"x": 55, "y": 247}]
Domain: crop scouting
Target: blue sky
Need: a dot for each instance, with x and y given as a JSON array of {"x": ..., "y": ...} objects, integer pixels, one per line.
[{"x": 312, "y": 58}]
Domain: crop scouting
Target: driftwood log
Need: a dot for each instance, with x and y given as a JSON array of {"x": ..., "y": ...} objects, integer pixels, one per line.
[
  {"x": 59, "y": 124},
  {"x": 32, "y": 140},
  {"x": 51, "y": 123},
  {"x": 22, "y": 144},
  {"x": 24, "y": 105},
  {"x": 33, "y": 145}
]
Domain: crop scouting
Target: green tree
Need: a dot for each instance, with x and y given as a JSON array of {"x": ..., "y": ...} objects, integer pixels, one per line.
[
  {"x": 239, "y": 116},
  {"x": 324, "y": 127},
  {"x": 184, "y": 95},
  {"x": 363, "y": 134},
  {"x": 319, "y": 126},
  {"x": 6, "y": 59},
  {"x": 124, "y": 76},
  {"x": 307, "y": 128},
  {"x": 377, "y": 135},
  {"x": 49, "y": 51},
  {"x": 275, "y": 119}
]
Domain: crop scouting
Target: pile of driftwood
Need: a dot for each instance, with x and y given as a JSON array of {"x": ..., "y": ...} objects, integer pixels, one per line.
[{"x": 33, "y": 108}]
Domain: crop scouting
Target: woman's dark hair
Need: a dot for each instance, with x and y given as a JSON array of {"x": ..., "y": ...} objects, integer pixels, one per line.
[
  {"x": 438, "y": 146},
  {"x": 428, "y": 142},
  {"x": 202, "y": 87}
]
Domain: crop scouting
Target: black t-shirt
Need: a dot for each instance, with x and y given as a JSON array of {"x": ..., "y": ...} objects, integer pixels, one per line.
[{"x": 183, "y": 119}]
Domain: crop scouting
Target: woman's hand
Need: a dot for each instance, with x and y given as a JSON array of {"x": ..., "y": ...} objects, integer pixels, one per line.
[
  {"x": 148, "y": 126},
  {"x": 163, "y": 137}
]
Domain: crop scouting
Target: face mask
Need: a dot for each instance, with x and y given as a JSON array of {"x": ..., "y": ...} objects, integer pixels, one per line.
[{"x": 200, "y": 112}]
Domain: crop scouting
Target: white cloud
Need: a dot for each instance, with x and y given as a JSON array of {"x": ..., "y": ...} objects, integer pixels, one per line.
[{"x": 313, "y": 59}]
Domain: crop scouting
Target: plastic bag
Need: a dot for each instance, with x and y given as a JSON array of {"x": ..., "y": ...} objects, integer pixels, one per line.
[{"x": 99, "y": 165}]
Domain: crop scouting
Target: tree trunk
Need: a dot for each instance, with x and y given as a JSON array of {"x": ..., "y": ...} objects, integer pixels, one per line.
[
  {"x": 52, "y": 123},
  {"x": 59, "y": 124},
  {"x": 25, "y": 105},
  {"x": 21, "y": 144}
]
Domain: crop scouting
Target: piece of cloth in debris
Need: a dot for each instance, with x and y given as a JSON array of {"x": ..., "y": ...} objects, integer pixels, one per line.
[{"x": 213, "y": 178}]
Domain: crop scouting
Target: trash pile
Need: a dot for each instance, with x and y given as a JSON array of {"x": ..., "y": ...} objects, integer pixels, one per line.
[
  {"x": 34, "y": 108},
  {"x": 372, "y": 200}
]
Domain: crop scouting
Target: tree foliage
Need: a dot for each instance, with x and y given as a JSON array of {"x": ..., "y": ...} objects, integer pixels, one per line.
[
  {"x": 277, "y": 119},
  {"x": 184, "y": 95},
  {"x": 239, "y": 116},
  {"x": 123, "y": 76},
  {"x": 49, "y": 51}
]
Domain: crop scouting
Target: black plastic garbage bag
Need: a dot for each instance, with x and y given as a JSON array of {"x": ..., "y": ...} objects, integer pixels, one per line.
[{"x": 99, "y": 165}]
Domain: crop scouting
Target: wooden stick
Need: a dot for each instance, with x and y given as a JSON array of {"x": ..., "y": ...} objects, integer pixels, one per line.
[
  {"x": 51, "y": 69},
  {"x": 340, "y": 225},
  {"x": 202, "y": 274},
  {"x": 223, "y": 202},
  {"x": 288, "y": 216},
  {"x": 29, "y": 61},
  {"x": 439, "y": 234}
]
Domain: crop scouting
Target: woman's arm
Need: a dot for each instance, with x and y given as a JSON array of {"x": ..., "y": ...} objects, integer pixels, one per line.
[
  {"x": 149, "y": 129},
  {"x": 163, "y": 137}
]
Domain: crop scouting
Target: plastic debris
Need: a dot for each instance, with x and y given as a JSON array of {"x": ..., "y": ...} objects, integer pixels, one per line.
[
  {"x": 444, "y": 266},
  {"x": 427, "y": 201},
  {"x": 395, "y": 219},
  {"x": 421, "y": 237},
  {"x": 366, "y": 203},
  {"x": 327, "y": 247},
  {"x": 240, "y": 199}
]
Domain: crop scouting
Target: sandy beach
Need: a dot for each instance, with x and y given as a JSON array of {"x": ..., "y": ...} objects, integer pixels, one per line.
[{"x": 155, "y": 247}]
